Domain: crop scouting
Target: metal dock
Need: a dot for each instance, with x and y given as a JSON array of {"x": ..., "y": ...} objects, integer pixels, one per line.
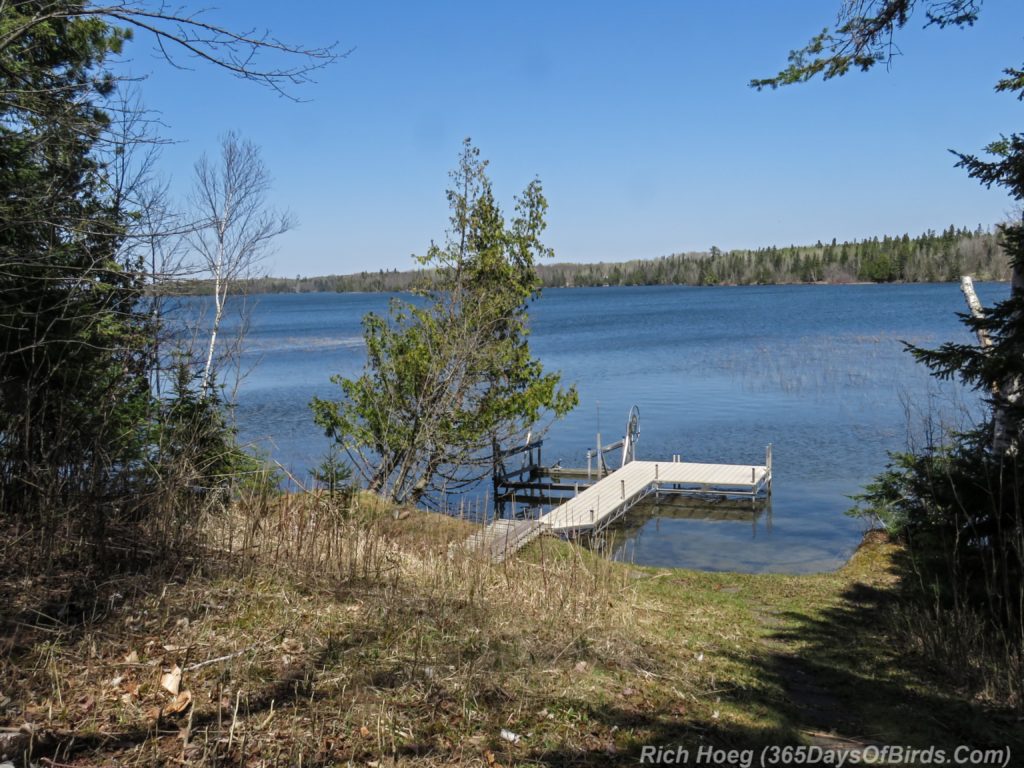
[
  {"x": 582, "y": 508},
  {"x": 611, "y": 497},
  {"x": 504, "y": 537}
]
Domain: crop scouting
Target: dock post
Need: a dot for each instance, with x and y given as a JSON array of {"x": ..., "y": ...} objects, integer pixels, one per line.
[
  {"x": 623, "y": 484},
  {"x": 655, "y": 471}
]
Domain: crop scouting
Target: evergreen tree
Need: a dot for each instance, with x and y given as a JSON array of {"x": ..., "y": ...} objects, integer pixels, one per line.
[
  {"x": 450, "y": 378},
  {"x": 73, "y": 386},
  {"x": 997, "y": 366},
  {"x": 81, "y": 437},
  {"x": 958, "y": 505}
]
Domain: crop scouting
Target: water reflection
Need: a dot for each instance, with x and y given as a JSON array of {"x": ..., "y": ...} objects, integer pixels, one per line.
[{"x": 648, "y": 518}]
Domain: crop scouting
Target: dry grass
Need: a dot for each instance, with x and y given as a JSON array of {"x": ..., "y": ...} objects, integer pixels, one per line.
[
  {"x": 318, "y": 633},
  {"x": 983, "y": 663}
]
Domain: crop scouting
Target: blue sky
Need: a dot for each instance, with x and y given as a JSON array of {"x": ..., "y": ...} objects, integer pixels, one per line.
[{"x": 637, "y": 118}]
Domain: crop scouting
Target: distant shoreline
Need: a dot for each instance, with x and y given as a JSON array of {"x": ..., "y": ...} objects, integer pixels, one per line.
[
  {"x": 931, "y": 257},
  {"x": 819, "y": 283}
]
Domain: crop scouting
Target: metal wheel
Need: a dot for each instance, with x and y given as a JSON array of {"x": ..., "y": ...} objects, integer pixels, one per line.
[{"x": 632, "y": 436}]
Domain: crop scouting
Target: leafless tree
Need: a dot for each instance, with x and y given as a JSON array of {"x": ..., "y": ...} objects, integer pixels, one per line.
[{"x": 234, "y": 226}]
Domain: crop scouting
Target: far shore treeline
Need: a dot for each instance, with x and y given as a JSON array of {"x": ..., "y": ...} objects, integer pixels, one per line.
[{"x": 928, "y": 258}]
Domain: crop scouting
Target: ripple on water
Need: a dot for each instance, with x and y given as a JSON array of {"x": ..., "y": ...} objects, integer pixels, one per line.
[{"x": 819, "y": 371}]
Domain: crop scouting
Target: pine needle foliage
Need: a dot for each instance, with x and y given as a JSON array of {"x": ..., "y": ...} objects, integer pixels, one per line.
[{"x": 449, "y": 376}]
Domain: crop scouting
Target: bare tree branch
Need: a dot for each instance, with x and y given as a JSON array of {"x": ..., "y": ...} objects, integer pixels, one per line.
[{"x": 250, "y": 55}]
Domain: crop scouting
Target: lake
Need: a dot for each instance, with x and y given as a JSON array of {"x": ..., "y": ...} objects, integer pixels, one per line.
[{"x": 717, "y": 372}]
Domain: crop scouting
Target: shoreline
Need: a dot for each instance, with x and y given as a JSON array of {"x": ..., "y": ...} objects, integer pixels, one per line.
[{"x": 819, "y": 283}]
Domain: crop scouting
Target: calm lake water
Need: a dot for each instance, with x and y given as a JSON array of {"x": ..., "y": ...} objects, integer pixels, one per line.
[{"x": 717, "y": 372}]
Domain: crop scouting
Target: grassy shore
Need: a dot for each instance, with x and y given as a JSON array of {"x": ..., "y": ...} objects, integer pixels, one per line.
[{"x": 304, "y": 634}]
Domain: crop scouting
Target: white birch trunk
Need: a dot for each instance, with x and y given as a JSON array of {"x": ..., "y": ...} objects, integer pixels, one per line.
[
  {"x": 1005, "y": 393},
  {"x": 217, "y": 315},
  {"x": 973, "y": 303},
  {"x": 220, "y": 296}
]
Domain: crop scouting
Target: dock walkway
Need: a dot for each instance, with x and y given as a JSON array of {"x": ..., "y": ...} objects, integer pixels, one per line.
[
  {"x": 504, "y": 537},
  {"x": 611, "y": 497},
  {"x": 604, "y": 502}
]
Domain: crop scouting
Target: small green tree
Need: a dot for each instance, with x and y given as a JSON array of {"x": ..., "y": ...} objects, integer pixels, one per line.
[
  {"x": 449, "y": 377},
  {"x": 334, "y": 475}
]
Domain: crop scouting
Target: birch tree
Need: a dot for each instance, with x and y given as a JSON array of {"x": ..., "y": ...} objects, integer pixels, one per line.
[
  {"x": 86, "y": 238},
  {"x": 234, "y": 228}
]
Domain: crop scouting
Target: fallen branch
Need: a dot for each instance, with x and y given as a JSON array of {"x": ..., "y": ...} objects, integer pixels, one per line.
[{"x": 227, "y": 657}]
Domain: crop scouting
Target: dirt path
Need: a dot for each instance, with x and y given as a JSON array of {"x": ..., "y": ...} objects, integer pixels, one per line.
[{"x": 823, "y": 720}]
